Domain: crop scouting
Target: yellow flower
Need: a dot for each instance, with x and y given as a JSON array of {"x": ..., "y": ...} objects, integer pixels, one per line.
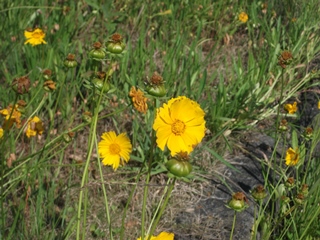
[
  {"x": 319, "y": 105},
  {"x": 1, "y": 132},
  {"x": 34, "y": 37},
  {"x": 243, "y": 17},
  {"x": 291, "y": 108},
  {"x": 292, "y": 157},
  {"x": 162, "y": 236},
  {"x": 139, "y": 100},
  {"x": 34, "y": 127},
  {"x": 180, "y": 125},
  {"x": 11, "y": 115},
  {"x": 113, "y": 149}
]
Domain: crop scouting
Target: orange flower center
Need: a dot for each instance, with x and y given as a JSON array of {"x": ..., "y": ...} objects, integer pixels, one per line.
[
  {"x": 114, "y": 148},
  {"x": 178, "y": 127},
  {"x": 37, "y": 35}
]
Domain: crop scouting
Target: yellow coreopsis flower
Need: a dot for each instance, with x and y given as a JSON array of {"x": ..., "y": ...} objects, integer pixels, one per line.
[
  {"x": 291, "y": 108},
  {"x": 243, "y": 17},
  {"x": 34, "y": 127},
  {"x": 292, "y": 157},
  {"x": 180, "y": 125},
  {"x": 1, "y": 132},
  {"x": 162, "y": 236},
  {"x": 35, "y": 37},
  {"x": 11, "y": 115},
  {"x": 319, "y": 105},
  {"x": 113, "y": 149}
]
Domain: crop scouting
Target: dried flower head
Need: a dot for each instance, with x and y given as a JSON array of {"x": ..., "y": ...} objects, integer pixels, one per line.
[
  {"x": 290, "y": 182},
  {"x": 156, "y": 79},
  {"x": 285, "y": 59},
  {"x": 47, "y": 73},
  {"x": 34, "y": 37},
  {"x": 21, "y": 85},
  {"x": 49, "y": 85},
  {"x": 70, "y": 61},
  {"x": 116, "y": 38},
  {"x": 139, "y": 100}
]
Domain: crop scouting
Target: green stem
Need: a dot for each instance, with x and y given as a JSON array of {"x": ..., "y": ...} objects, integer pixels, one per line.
[
  {"x": 159, "y": 214},
  {"x": 104, "y": 195},
  {"x": 233, "y": 224},
  {"x": 92, "y": 136}
]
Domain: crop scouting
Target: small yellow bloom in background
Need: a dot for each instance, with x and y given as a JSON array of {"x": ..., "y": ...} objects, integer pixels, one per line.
[
  {"x": 11, "y": 115},
  {"x": 319, "y": 105},
  {"x": 113, "y": 149},
  {"x": 35, "y": 37},
  {"x": 34, "y": 127},
  {"x": 162, "y": 236},
  {"x": 291, "y": 108},
  {"x": 179, "y": 125},
  {"x": 243, "y": 17},
  {"x": 139, "y": 100},
  {"x": 1, "y": 132},
  {"x": 292, "y": 157}
]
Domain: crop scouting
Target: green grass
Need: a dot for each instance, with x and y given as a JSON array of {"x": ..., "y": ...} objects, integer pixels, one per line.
[{"x": 57, "y": 189}]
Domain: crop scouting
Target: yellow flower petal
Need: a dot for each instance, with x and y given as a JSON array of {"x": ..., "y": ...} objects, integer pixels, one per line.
[{"x": 35, "y": 37}]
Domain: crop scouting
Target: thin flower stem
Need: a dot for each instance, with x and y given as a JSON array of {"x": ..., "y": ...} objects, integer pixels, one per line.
[
  {"x": 104, "y": 195},
  {"x": 159, "y": 214},
  {"x": 159, "y": 205},
  {"x": 127, "y": 204},
  {"x": 233, "y": 224},
  {"x": 93, "y": 128},
  {"x": 146, "y": 188}
]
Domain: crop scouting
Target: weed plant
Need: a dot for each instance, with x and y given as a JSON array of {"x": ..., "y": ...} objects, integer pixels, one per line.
[{"x": 91, "y": 82}]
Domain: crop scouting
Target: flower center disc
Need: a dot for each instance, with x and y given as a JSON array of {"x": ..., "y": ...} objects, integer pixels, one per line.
[
  {"x": 36, "y": 35},
  {"x": 178, "y": 127},
  {"x": 114, "y": 148}
]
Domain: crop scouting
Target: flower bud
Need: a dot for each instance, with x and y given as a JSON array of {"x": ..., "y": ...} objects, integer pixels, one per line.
[
  {"x": 47, "y": 73},
  {"x": 308, "y": 133},
  {"x": 70, "y": 61},
  {"x": 299, "y": 199},
  {"x": 259, "y": 193},
  {"x": 87, "y": 117},
  {"x": 67, "y": 137},
  {"x": 97, "y": 52},
  {"x": 283, "y": 125},
  {"x": 115, "y": 45},
  {"x": 238, "y": 202},
  {"x": 156, "y": 86},
  {"x": 304, "y": 190},
  {"x": 290, "y": 182},
  {"x": 179, "y": 165}
]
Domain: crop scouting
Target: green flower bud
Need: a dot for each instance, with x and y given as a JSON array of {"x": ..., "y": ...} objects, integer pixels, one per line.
[
  {"x": 259, "y": 193},
  {"x": 99, "y": 84},
  {"x": 67, "y": 137},
  {"x": 179, "y": 168},
  {"x": 70, "y": 61},
  {"x": 156, "y": 86},
  {"x": 115, "y": 45},
  {"x": 87, "y": 117},
  {"x": 97, "y": 52},
  {"x": 238, "y": 202}
]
